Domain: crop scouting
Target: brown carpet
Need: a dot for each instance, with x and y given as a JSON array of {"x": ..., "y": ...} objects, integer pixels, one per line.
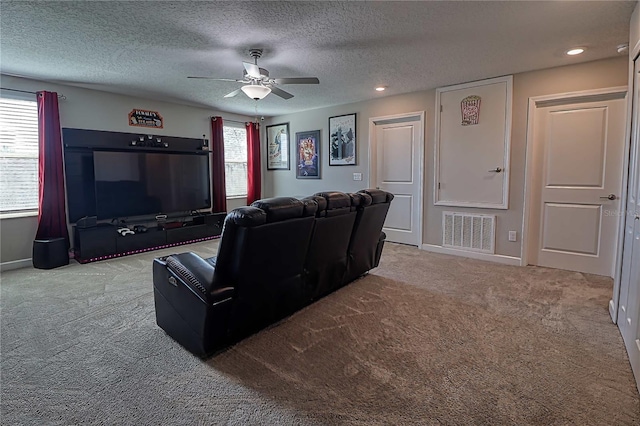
[{"x": 424, "y": 339}]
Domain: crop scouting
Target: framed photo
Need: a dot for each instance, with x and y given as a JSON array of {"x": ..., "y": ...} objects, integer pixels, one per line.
[
  {"x": 308, "y": 155},
  {"x": 278, "y": 147},
  {"x": 342, "y": 140}
]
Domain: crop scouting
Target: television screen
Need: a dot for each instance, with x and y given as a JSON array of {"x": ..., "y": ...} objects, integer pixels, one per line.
[{"x": 143, "y": 183}]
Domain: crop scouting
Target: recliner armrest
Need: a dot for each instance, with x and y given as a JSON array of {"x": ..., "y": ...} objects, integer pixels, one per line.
[
  {"x": 197, "y": 274},
  {"x": 221, "y": 294}
]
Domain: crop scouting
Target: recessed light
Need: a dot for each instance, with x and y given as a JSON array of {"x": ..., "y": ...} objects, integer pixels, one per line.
[
  {"x": 576, "y": 51},
  {"x": 381, "y": 88}
]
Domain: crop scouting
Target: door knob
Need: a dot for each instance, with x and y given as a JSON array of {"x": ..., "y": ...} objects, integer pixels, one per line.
[
  {"x": 496, "y": 170},
  {"x": 609, "y": 197}
]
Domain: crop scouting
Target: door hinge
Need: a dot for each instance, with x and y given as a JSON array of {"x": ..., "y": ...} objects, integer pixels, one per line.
[
  {"x": 438, "y": 185},
  {"x": 440, "y": 108}
]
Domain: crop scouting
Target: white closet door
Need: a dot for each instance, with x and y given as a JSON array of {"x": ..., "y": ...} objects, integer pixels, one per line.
[
  {"x": 629, "y": 301},
  {"x": 472, "y": 157}
]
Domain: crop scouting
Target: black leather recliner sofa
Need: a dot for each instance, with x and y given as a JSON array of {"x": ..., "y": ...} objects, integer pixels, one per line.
[{"x": 275, "y": 257}]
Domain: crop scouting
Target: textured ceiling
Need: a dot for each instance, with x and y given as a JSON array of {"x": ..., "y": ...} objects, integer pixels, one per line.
[{"x": 148, "y": 49}]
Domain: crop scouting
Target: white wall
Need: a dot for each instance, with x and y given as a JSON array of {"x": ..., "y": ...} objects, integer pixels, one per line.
[
  {"x": 591, "y": 75},
  {"x": 96, "y": 110}
]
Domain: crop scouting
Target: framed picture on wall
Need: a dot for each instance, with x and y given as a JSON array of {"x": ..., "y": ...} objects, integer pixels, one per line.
[
  {"x": 278, "y": 147},
  {"x": 342, "y": 140},
  {"x": 308, "y": 155}
]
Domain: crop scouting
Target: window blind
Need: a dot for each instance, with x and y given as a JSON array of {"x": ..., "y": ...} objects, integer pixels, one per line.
[
  {"x": 235, "y": 161},
  {"x": 18, "y": 155}
]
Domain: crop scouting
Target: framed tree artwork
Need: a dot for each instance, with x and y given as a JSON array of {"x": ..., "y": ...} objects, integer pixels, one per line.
[
  {"x": 278, "y": 147},
  {"x": 342, "y": 140},
  {"x": 308, "y": 155}
]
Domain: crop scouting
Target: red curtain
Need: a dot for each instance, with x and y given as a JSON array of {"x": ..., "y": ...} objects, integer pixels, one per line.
[
  {"x": 254, "y": 181},
  {"x": 217, "y": 176},
  {"x": 52, "y": 215}
]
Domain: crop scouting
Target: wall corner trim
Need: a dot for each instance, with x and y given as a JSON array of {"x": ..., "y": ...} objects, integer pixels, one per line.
[
  {"x": 496, "y": 258},
  {"x": 613, "y": 311}
]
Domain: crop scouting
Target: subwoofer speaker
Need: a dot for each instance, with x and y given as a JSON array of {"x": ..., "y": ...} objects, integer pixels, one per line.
[{"x": 50, "y": 253}]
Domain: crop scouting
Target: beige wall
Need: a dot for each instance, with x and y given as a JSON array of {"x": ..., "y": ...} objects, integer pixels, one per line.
[
  {"x": 16, "y": 240},
  {"x": 91, "y": 109},
  {"x": 234, "y": 203},
  {"x": 95, "y": 110},
  {"x": 591, "y": 75},
  {"x": 284, "y": 182}
]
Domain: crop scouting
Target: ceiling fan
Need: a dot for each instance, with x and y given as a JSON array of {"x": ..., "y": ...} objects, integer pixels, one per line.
[{"x": 258, "y": 84}]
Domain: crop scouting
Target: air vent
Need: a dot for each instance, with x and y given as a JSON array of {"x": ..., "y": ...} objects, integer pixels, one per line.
[{"x": 471, "y": 232}]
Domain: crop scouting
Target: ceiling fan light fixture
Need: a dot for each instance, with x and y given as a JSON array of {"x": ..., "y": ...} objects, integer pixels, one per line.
[{"x": 255, "y": 91}]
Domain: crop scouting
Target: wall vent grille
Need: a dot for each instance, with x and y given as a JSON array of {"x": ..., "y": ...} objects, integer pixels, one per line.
[{"x": 471, "y": 232}]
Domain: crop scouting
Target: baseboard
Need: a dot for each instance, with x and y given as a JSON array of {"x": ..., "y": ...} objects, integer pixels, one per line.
[
  {"x": 15, "y": 264},
  {"x": 496, "y": 258}
]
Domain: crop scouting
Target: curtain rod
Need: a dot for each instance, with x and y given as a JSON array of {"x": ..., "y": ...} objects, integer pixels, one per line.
[
  {"x": 27, "y": 91},
  {"x": 235, "y": 121}
]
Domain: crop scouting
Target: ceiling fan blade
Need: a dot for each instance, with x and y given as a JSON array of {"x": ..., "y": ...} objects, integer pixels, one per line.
[
  {"x": 252, "y": 69},
  {"x": 218, "y": 79},
  {"x": 232, "y": 94},
  {"x": 281, "y": 93},
  {"x": 297, "y": 80}
]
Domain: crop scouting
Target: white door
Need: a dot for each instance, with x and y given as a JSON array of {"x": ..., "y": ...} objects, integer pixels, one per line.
[
  {"x": 472, "y": 153},
  {"x": 398, "y": 162},
  {"x": 629, "y": 301},
  {"x": 578, "y": 159}
]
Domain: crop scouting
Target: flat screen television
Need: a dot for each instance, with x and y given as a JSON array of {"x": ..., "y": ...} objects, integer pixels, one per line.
[{"x": 120, "y": 184}]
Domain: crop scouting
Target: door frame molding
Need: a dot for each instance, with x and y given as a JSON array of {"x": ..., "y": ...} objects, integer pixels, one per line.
[
  {"x": 373, "y": 158},
  {"x": 544, "y": 101}
]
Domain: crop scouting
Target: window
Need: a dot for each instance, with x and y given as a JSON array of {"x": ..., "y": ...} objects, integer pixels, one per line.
[
  {"x": 18, "y": 155},
  {"x": 235, "y": 161}
]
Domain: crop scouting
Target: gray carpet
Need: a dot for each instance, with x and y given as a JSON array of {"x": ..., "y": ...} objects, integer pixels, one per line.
[{"x": 424, "y": 339}]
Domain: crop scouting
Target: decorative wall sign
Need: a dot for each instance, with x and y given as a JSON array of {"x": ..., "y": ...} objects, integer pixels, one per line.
[
  {"x": 143, "y": 118},
  {"x": 470, "y": 107},
  {"x": 308, "y": 155},
  {"x": 278, "y": 147},
  {"x": 342, "y": 140}
]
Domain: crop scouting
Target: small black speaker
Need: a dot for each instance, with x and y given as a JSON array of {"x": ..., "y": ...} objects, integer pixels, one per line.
[
  {"x": 87, "y": 222},
  {"x": 210, "y": 219},
  {"x": 50, "y": 253},
  {"x": 216, "y": 219}
]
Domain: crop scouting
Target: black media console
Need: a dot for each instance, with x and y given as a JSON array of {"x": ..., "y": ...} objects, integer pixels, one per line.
[
  {"x": 140, "y": 182},
  {"x": 104, "y": 241}
]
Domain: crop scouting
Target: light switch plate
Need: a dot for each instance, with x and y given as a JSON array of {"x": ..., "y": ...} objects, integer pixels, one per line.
[
  {"x": 513, "y": 235},
  {"x": 357, "y": 176}
]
